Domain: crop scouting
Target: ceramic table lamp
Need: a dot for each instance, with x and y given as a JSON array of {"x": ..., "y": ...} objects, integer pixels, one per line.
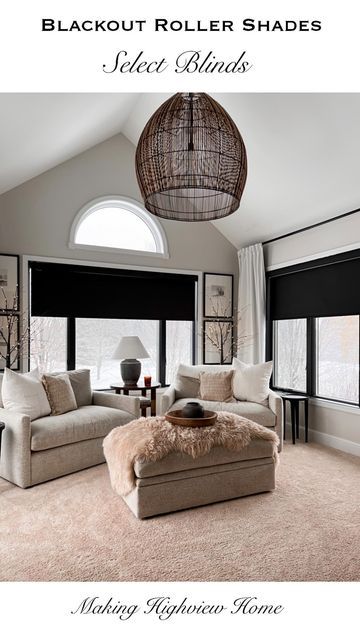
[{"x": 128, "y": 350}]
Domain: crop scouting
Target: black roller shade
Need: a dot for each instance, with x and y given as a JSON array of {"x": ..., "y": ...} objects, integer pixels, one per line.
[
  {"x": 326, "y": 287},
  {"x": 62, "y": 290}
]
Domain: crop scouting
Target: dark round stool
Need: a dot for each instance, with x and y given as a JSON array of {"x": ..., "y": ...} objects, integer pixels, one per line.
[{"x": 294, "y": 407}]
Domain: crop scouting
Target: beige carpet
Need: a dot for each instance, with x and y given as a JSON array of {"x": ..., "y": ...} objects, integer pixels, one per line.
[{"x": 76, "y": 528}]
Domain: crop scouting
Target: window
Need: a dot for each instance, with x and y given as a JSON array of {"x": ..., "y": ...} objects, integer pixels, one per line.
[
  {"x": 179, "y": 346},
  {"x": 48, "y": 344},
  {"x": 94, "y": 341},
  {"x": 290, "y": 354},
  {"x": 118, "y": 223},
  {"x": 337, "y": 358},
  {"x": 326, "y": 347},
  {"x": 103, "y": 304},
  {"x": 97, "y": 339},
  {"x": 313, "y": 327}
]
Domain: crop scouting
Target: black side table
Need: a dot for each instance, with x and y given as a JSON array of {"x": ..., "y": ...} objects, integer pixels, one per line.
[
  {"x": 2, "y": 427},
  {"x": 294, "y": 407}
]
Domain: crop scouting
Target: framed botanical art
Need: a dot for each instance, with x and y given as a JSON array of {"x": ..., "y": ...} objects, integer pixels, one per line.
[
  {"x": 218, "y": 295},
  {"x": 9, "y": 282},
  {"x": 217, "y": 342},
  {"x": 9, "y": 342}
]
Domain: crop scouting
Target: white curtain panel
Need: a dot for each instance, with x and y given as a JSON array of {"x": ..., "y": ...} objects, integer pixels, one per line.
[{"x": 251, "y": 305}]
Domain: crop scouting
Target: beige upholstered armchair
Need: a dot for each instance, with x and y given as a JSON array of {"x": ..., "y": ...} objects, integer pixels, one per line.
[
  {"x": 185, "y": 388},
  {"x": 53, "y": 446}
]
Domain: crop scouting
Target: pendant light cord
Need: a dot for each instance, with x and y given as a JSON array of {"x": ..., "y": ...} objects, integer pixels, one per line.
[{"x": 191, "y": 136}]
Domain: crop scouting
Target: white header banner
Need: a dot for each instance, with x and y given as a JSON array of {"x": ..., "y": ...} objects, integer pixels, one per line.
[{"x": 163, "y": 46}]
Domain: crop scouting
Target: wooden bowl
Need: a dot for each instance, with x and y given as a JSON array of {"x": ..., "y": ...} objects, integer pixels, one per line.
[{"x": 176, "y": 417}]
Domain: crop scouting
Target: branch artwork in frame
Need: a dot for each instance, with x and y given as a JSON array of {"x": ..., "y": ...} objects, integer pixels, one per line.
[
  {"x": 9, "y": 282},
  {"x": 218, "y": 341},
  {"x": 218, "y": 295},
  {"x": 9, "y": 342}
]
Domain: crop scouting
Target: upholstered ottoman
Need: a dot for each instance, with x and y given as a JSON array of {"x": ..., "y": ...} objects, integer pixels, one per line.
[
  {"x": 179, "y": 482},
  {"x": 158, "y": 467}
]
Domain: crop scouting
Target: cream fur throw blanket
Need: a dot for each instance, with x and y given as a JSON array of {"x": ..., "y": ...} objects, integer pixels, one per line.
[{"x": 150, "y": 439}]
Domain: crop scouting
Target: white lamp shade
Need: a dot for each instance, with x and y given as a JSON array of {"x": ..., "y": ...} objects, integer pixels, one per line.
[{"x": 130, "y": 347}]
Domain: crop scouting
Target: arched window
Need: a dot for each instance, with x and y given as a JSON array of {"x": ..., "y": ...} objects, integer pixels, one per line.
[{"x": 116, "y": 223}]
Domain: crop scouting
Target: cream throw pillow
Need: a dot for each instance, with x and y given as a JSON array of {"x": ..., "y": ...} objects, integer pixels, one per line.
[
  {"x": 251, "y": 381},
  {"x": 60, "y": 393},
  {"x": 216, "y": 386},
  {"x": 24, "y": 393}
]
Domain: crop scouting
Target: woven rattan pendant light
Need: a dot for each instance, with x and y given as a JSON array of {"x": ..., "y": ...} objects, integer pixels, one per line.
[{"x": 191, "y": 160}]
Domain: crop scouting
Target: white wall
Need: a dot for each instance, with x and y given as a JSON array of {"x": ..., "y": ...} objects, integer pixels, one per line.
[
  {"x": 36, "y": 217},
  {"x": 330, "y": 423},
  {"x": 334, "y": 237}
]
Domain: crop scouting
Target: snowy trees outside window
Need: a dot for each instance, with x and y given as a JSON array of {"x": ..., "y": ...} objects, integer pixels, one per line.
[
  {"x": 290, "y": 354},
  {"x": 96, "y": 340},
  {"x": 338, "y": 358}
]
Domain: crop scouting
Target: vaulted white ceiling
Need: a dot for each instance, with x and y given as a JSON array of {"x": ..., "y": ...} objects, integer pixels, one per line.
[
  {"x": 39, "y": 131},
  {"x": 303, "y": 149}
]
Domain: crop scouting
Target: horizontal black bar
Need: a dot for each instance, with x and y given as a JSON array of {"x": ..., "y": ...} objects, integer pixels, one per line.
[{"x": 312, "y": 226}]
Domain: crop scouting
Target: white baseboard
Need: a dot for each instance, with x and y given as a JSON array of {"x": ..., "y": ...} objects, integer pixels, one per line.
[{"x": 326, "y": 439}]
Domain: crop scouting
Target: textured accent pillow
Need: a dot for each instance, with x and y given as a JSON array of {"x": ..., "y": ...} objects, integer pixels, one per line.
[
  {"x": 251, "y": 381},
  {"x": 60, "y": 393},
  {"x": 81, "y": 386},
  {"x": 216, "y": 386},
  {"x": 186, "y": 387},
  {"x": 24, "y": 393}
]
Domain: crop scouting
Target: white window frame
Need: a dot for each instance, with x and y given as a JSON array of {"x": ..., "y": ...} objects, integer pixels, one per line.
[{"x": 134, "y": 207}]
